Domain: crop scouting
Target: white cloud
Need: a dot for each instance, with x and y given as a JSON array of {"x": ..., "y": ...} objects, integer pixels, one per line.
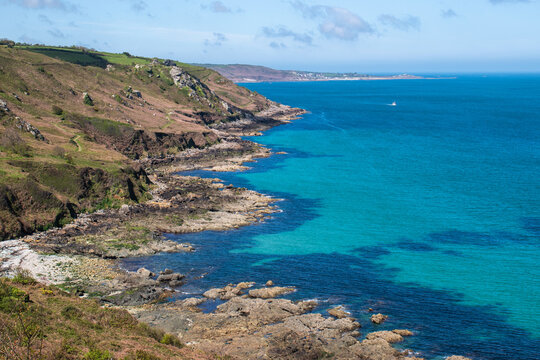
[
  {"x": 45, "y": 4},
  {"x": 283, "y": 32},
  {"x": 336, "y": 22},
  {"x": 406, "y": 23}
]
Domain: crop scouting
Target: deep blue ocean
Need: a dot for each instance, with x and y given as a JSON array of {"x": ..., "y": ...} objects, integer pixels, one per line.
[{"x": 427, "y": 211}]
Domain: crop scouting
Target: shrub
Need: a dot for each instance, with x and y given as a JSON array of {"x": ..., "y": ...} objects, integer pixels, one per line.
[
  {"x": 71, "y": 312},
  {"x": 57, "y": 110},
  {"x": 142, "y": 355},
  {"x": 169, "y": 339},
  {"x": 23, "y": 277},
  {"x": 11, "y": 141},
  {"x": 87, "y": 100},
  {"x": 11, "y": 298},
  {"x": 59, "y": 151},
  {"x": 96, "y": 354}
]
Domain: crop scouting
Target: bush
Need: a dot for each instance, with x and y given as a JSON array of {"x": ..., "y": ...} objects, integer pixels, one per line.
[
  {"x": 87, "y": 100},
  {"x": 23, "y": 277},
  {"x": 57, "y": 110},
  {"x": 59, "y": 151},
  {"x": 71, "y": 312},
  {"x": 11, "y": 141},
  {"x": 11, "y": 298},
  {"x": 142, "y": 355},
  {"x": 96, "y": 354},
  {"x": 169, "y": 339}
]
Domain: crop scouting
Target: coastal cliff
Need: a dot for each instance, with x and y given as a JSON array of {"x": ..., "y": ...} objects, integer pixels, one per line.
[{"x": 90, "y": 147}]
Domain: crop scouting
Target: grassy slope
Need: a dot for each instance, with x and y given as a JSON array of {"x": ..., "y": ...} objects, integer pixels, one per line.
[
  {"x": 48, "y": 92},
  {"x": 40, "y": 322}
]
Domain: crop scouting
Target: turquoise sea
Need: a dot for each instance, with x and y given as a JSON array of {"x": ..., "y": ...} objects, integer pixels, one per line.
[{"x": 427, "y": 211}]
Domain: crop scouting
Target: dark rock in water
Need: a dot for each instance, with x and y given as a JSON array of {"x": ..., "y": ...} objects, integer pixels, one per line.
[
  {"x": 170, "y": 277},
  {"x": 378, "y": 318},
  {"x": 169, "y": 63}
]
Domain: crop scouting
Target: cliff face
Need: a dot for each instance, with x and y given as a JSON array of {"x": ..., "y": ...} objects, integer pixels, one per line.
[{"x": 74, "y": 123}]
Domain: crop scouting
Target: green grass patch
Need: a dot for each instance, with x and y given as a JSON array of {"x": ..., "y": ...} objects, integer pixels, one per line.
[{"x": 75, "y": 56}]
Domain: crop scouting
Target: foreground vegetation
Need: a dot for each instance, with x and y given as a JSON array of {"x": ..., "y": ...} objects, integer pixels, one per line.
[{"x": 43, "y": 322}]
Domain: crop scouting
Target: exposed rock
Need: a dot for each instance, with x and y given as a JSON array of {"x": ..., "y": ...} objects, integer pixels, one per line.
[
  {"x": 228, "y": 292},
  {"x": 378, "y": 318},
  {"x": 169, "y": 63},
  {"x": 375, "y": 349},
  {"x": 124, "y": 209},
  {"x": 271, "y": 292},
  {"x": 137, "y": 93},
  {"x": 403, "y": 332},
  {"x": 24, "y": 125},
  {"x": 389, "y": 336},
  {"x": 456, "y": 357},
  {"x": 269, "y": 283},
  {"x": 3, "y": 106},
  {"x": 338, "y": 312},
  {"x": 170, "y": 277},
  {"x": 154, "y": 62},
  {"x": 87, "y": 99},
  {"x": 109, "y": 67},
  {"x": 245, "y": 285},
  {"x": 145, "y": 273},
  {"x": 192, "y": 302},
  {"x": 182, "y": 78},
  {"x": 213, "y": 293}
]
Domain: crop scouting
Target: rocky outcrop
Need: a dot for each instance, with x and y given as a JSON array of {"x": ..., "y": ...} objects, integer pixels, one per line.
[
  {"x": 3, "y": 107},
  {"x": 455, "y": 357},
  {"x": 168, "y": 62},
  {"x": 378, "y": 318},
  {"x": 182, "y": 78},
  {"x": 270, "y": 292},
  {"x": 25, "y": 126},
  {"x": 255, "y": 328},
  {"x": 338, "y": 312},
  {"x": 228, "y": 292},
  {"x": 171, "y": 278},
  {"x": 389, "y": 336}
]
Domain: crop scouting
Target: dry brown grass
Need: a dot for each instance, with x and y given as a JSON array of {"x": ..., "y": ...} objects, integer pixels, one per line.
[{"x": 38, "y": 322}]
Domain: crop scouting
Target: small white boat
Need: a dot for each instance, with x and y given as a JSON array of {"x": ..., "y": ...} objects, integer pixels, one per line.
[{"x": 393, "y": 104}]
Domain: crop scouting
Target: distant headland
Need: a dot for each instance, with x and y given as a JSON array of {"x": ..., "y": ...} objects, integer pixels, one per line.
[{"x": 241, "y": 73}]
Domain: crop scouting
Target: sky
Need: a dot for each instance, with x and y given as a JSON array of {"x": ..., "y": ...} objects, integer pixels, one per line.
[{"x": 383, "y": 36}]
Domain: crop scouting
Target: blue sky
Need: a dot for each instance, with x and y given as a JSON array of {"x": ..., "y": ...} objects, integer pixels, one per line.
[{"x": 395, "y": 36}]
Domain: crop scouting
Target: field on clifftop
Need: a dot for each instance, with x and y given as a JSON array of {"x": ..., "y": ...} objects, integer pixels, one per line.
[{"x": 74, "y": 123}]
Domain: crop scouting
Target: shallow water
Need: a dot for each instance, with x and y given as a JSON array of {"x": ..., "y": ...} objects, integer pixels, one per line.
[{"x": 428, "y": 211}]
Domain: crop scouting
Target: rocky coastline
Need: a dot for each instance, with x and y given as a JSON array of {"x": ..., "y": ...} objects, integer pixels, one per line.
[{"x": 250, "y": 321}]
